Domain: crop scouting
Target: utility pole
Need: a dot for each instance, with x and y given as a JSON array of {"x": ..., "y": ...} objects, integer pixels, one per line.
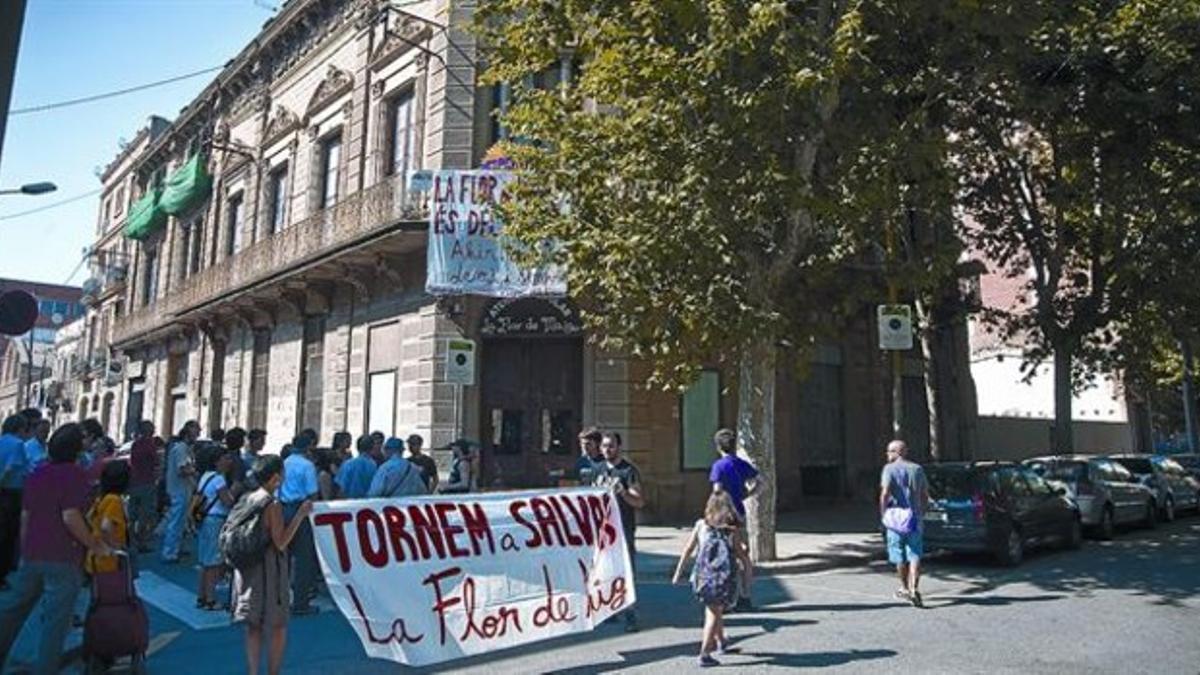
[
  {"x": 1189, "y": 395},
  {"x": 897, "y": 358}
]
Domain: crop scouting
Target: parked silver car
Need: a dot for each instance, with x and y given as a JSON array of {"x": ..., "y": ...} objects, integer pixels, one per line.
[
  {"x": 1174, "y": 490},
  {"x": 1107, "y": 494}
]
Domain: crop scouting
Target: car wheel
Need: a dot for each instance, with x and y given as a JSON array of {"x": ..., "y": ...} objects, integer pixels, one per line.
[
  {"x": 1151, "y": 519},
  {"x": 1013, "y": 548},
  {"x": 1169, "y": 510},
  {"x": 1106, "y": 527},
  {"x": 1074, "y": 536}
]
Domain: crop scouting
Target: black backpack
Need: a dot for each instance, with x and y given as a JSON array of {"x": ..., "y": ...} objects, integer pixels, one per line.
[{"x": 244, "y": 538}]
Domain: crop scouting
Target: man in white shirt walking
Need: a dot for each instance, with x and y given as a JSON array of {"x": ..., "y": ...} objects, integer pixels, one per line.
[{"x": 300, "y": 484}]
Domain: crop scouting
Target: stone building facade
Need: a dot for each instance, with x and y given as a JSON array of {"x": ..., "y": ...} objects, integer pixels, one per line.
[{"x": 283, "y": 287}]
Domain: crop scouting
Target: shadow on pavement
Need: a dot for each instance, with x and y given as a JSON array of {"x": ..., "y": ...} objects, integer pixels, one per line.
[
  {"x": 815, "y": 659},
  {"x": 1159, "y": 566}
]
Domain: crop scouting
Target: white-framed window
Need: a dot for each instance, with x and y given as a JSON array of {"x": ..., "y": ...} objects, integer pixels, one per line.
[
  {"x": 277, "y": 193},
  {"x": 331, "y": 158},
  {"x": 234, "y": 210},
  {"x": 402, "y": 134}
]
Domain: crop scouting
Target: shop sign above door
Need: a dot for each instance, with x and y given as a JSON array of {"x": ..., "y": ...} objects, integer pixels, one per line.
[
  {"x": 468, "y": 253},
  {"x": 531, "y": 317}
]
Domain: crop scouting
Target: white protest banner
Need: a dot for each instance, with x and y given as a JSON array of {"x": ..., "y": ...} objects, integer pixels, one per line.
[
  {"x": 429, "y": 579},
  {"x": 465, "y": 255}
]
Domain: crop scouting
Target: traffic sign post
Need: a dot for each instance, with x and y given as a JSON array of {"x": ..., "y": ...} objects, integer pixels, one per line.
[
  {"x": 460, "y": 371},
  {"x": 895, "y": 327}
]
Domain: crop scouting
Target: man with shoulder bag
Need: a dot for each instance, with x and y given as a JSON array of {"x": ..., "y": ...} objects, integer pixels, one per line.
[{"x": 903, "y": 498}]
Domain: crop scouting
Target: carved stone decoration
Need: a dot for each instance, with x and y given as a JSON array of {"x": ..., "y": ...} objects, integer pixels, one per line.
[
  {"x": 377, "y": 89},
  {"x": 221, "y": 135},
  {"x": 398, "y": 40},
  {"x": 314, "y": 131},
  {"x": 337, "y": 83},
  {"x": 348, "y": 109},
  {"x": 282, "y": 122}
]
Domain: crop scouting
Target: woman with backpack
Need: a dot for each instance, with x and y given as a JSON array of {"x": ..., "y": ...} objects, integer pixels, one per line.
[
  {"x": 715, "y": 539},
  {"x": 214, "y": 499},
  {"x": 255, "y": 541}
]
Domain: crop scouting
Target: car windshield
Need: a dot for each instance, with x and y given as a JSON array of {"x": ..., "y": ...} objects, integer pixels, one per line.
[
  {"x": 949, "y": 482},
  {"x": 1068, "y": 472},
  {"x": 1190, "y": 461},
  {"x": 1136, "y": 465}
]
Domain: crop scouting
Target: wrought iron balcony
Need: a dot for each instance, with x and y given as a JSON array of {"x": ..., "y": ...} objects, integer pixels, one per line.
[{"x": 320, "y": 237}]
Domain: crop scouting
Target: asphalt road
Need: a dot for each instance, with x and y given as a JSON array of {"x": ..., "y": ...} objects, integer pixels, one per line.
[{"x": 1125, "y": 606}]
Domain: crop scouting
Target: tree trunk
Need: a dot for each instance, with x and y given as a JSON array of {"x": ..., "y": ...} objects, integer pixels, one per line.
[
  {"x": 756, "y": 441},
  {"x": 1064, "y": 432},
  {"x": 949, "y": 386}
]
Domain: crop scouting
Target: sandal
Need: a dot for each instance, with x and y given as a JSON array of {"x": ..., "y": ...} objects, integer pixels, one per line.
[
  {"x": 201, "y": 603},
  {"x": 916, "y": 600},
  {"x": 902, "y": 594}
]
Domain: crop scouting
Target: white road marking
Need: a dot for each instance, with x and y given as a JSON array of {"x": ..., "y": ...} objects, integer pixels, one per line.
[{"x": 178, "y": 602}]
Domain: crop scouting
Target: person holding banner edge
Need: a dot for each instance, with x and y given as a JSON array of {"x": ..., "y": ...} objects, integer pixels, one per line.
[
  {"x": 261, "y": 590},
  {"x": 625, "y": 481}
]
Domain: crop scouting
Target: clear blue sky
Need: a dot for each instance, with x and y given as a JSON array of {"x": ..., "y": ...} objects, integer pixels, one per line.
[{"x": 75, "y": 48}]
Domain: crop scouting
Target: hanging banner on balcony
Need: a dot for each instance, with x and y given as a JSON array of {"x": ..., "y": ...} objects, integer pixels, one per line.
[
  {"x": 424, "y": 580},
  {"x": 468, "y": 253}
]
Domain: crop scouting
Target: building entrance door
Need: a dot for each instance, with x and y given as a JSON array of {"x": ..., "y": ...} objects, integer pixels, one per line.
[{"x": 532, "y": 409}]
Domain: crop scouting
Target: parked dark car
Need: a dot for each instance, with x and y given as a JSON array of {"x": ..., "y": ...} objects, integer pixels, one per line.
[
  {"x": 1190, "y": 462},
  {"x": 1174, "y": 490},
  {"x": 996, "y": 507},
  {"x": 1106, "y": 494}
]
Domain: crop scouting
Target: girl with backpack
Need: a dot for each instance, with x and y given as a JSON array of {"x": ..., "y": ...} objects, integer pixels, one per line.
[
  {"x": 107, "y": 518},
  {"x": 255, "y": 541},
  {"x": 716, "y": 540}
]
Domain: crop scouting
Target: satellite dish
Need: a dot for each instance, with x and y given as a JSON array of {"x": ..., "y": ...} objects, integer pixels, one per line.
[{"x": 18, "y": 312}]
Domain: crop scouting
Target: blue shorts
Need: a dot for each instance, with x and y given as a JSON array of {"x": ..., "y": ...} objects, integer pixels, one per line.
[{"x": 905, "y": 548}]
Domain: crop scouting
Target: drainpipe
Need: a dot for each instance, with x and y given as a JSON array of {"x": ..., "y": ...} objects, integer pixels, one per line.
[{"x": 349, "y": 356}]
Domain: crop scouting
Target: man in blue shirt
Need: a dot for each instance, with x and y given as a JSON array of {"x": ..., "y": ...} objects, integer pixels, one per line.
[
  {"x": 354, "y": 478},
  {"x": 737, "y": 478},
  {"x": 14, "y": 467},
  {"x": 397, "y": 477},
  {"x": 35, "y": 447},
  {"x": 299, "y": 485}
]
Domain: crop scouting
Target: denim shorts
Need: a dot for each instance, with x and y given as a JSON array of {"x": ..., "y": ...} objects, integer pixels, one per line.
[
  {"x": 905, "y": 548},
  {"x": 210, "y": 552}
]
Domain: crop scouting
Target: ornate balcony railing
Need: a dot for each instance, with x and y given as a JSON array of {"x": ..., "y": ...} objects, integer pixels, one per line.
[{"x": 356, "y": 217}]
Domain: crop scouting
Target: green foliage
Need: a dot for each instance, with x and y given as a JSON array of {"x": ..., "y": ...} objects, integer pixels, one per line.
[
  {"x": 719, "y": 169},
  {"x": 1076, "y": 141}
]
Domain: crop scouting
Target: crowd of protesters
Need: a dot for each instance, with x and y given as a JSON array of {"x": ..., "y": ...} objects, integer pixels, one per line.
[
  {"x": 81, "y": 504},
  {"x": 69, "y": 505}
]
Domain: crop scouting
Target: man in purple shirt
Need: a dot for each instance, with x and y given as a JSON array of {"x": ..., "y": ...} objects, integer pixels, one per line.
[
  {"x": 54, "y": 539},
  {"x": 739, "y": 479}
]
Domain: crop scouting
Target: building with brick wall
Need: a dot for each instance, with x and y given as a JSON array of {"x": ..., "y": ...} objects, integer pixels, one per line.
[
  {"x": 22, "y": 381},
  {"x": 276, "y": 273}
]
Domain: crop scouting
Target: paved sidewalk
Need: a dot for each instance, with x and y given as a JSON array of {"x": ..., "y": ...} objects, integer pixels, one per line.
[{"x": 820, "y": 537}]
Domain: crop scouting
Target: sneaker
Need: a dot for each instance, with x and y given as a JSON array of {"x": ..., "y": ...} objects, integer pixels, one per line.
[
  {"x": 902, "y": 594},
  {"x": 707, "y": 661}
]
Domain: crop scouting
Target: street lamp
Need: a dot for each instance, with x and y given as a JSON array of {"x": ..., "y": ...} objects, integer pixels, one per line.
[{"x": 30, "y": 189}]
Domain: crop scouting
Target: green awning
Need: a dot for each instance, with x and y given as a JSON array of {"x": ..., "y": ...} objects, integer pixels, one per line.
[
  {"x": 145, "y": 216},
  {"x": 187, "y": 187}
]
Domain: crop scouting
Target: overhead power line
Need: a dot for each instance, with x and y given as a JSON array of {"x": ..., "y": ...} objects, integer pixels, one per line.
[
  {"x": 111, "y": 94},
  {"x": 47, "y": 207}
]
